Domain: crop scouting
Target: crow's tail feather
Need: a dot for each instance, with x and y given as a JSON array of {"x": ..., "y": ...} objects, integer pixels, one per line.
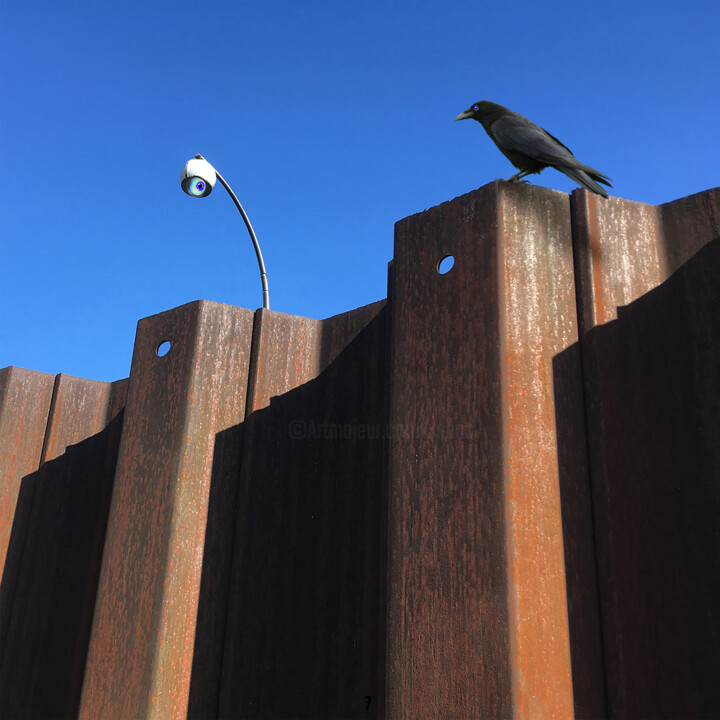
[
  {"x": 586, "y": 176},
  {"x": 596, "y": 175}
]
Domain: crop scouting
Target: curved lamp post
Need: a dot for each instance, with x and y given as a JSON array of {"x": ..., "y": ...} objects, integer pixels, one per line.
[{"x": 198, "y": 180}]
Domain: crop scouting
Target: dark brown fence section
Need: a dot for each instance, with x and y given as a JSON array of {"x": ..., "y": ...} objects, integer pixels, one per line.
[
  {"x": 24, "y": 407},
  {"x": 64, "y": 506},
  {"x": 303, "y": 630},
  {"x": 649, "y": 282},
  {"x": 494, "y": 494},
  {"x": 147, "y": 601}
]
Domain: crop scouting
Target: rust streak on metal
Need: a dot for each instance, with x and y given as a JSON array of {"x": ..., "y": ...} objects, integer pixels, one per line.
[
  {"x": 539, "y": 301},
  {"x": 595, "y": 259}
]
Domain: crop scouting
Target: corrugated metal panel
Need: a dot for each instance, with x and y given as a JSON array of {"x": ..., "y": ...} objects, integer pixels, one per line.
[
  {"x": 494, "y": 495},
  {"x": 476, "y": 617},
  {"x": 24, "y": 406},
  {"x": 68, "y": 501},
  {"x": 649, "y": 289},
  {"x": 303, "y": 635},
  {"x": 141, "y": 648}
]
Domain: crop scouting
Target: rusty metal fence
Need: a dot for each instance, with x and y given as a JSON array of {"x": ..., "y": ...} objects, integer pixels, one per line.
[{"x": 493, "y": 495}]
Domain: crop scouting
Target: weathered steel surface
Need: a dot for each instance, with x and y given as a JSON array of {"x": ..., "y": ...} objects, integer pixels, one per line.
[
  {"x": 578, "y": 537},
  {"x": 286, "y": 355},
  {"x": 443, "y": 506},
  {"x": 44, "y": 657},
  {"x": 222, "y": 513},
  {"x": 24, "y": 406},
  {"x": 687, "y": 225},
  {"x": 624, "y": 249},
  {"x": 143, "y": 636},
  {"x": 477, "y": 621},
  {"x": 649, "y": 293},
  {"x": 304, "y": 622}
]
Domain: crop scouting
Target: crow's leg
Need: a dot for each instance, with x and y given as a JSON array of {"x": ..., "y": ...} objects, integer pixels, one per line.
[{"x": 516, "y": 177}]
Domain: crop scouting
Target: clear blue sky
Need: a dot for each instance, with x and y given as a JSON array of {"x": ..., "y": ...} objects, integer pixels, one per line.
[{"x": 331, "y": 121}]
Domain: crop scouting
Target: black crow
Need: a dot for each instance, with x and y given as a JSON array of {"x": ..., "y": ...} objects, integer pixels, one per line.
[{"x": 530, "y": 148}]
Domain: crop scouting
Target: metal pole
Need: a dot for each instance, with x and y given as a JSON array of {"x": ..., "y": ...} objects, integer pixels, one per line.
[{"x": 253, "y": 237}]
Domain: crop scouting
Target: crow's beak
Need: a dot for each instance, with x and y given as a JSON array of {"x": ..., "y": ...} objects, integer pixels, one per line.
[{"x": 464, "y": 115}]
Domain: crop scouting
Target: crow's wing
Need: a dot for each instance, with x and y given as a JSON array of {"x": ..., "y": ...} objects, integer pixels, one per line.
[{"x": 515, "y": 133}]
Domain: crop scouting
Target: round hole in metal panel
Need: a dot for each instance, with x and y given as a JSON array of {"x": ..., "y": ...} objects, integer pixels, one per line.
[
  {"x": 163, "y": 348},
  {"x": 445, "y": 265}
]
